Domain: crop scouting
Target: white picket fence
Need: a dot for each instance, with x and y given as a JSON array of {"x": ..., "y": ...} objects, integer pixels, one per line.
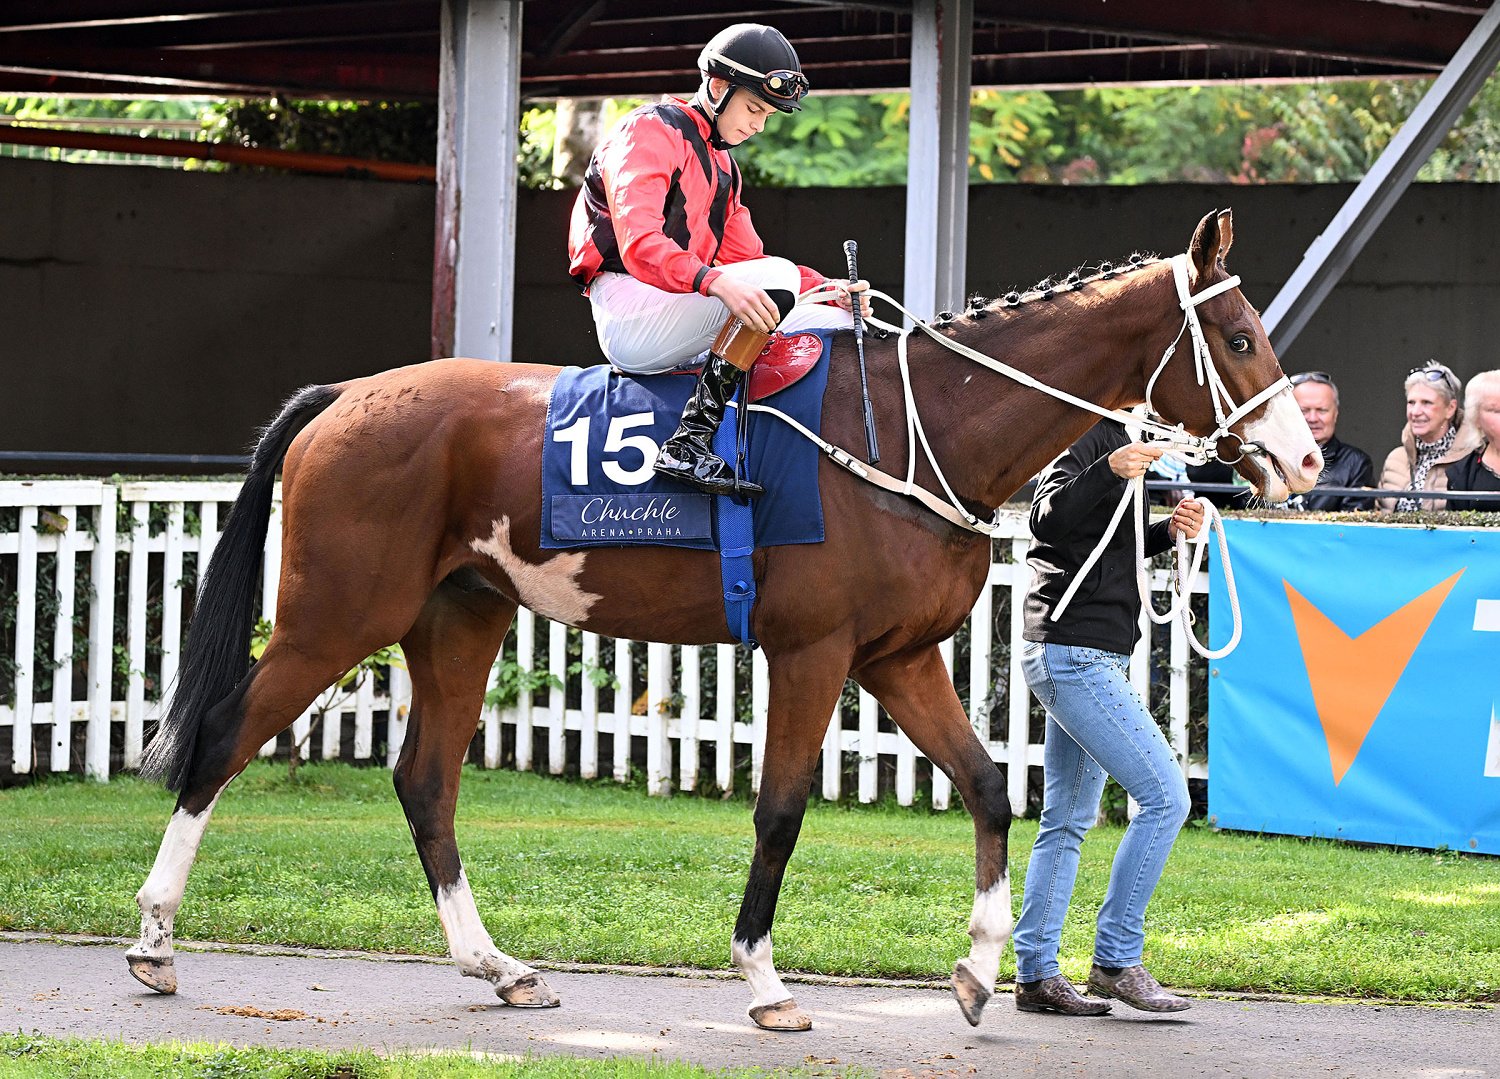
[{"x": 107, "y": 680}]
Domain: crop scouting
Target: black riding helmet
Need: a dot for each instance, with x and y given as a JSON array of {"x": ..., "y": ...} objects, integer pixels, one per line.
[{"x": 757, "y": 58}]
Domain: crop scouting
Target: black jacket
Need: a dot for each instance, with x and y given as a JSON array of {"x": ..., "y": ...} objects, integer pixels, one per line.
[
  {"x": 1470, "y": 474},
  {"x": 1075, "y": 498},
  {"x": 1343, "y": 466}
]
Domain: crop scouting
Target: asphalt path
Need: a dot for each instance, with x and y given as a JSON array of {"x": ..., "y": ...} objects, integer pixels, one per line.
[{"x": 80, "y": 987}]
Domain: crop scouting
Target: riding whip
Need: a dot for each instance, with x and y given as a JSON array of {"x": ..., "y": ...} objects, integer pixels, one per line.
[{"x": 851, "y": 251}]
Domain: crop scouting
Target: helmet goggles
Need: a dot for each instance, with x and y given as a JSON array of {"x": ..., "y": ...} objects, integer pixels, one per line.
[{"x": 782, "y": 88}]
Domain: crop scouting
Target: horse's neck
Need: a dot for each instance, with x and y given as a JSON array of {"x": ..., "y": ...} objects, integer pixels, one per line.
[{"x": 1093, "y": 343}]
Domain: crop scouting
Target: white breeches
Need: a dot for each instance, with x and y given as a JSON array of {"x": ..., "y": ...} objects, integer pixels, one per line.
[{"x": 645, "y": 330}]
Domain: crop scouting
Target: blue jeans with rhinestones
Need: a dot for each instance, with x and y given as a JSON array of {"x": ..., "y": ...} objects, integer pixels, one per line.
[{"x": 1096, "y": 724}]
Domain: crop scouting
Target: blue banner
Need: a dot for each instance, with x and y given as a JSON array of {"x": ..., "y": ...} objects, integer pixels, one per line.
[{"x": 1361, "y": 702}]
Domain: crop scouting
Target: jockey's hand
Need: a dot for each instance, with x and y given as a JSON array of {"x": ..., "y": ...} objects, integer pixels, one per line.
[
  {"x": 1187, "y": 519},
  {"x": 843, "y": 299},
  {"x": 1131, "y": 461},
  {"x": 747, "y": 303}
]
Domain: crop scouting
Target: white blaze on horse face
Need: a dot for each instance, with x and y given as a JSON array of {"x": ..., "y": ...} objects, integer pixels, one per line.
[
  {"x": 755, "y": 961},
  {"x": 161, "y": 895},
  {"x": 990, "y": 926},
  {"x": 1286, "y": 437},
  {"x": 469, "y": 941},
  {"x": 549, "y": 588}
]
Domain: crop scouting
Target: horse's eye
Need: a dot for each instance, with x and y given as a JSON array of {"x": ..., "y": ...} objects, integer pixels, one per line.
[{"x": 1239, "y": 343}]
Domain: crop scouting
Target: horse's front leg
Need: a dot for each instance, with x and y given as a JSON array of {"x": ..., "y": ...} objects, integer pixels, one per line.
[
  {"x": 917, "y": 691},
  {"x": 805, "y": 687}
]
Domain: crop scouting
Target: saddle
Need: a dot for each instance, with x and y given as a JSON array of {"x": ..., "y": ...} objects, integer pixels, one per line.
[{"x": 785, "y": 360}]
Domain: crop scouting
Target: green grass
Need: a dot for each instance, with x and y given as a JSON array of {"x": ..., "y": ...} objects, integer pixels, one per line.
[
  {"x": 25, "y": 1056},
  {"x": 567, "y": 871}
]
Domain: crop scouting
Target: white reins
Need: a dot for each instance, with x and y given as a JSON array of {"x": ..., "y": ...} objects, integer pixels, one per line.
[{"x": 1188, "y": 446}]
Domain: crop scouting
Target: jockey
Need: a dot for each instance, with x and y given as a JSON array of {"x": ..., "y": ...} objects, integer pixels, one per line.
[{"x": 665, "y": 251}]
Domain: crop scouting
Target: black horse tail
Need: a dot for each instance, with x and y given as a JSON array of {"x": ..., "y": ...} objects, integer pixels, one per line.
[{"x": 217, "y": 653}]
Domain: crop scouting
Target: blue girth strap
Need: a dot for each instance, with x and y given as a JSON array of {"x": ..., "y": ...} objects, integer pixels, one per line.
[{"x": 736, "y": 534}]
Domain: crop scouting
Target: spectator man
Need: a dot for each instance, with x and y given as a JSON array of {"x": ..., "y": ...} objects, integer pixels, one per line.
[{"x": 1343, "y": 465}]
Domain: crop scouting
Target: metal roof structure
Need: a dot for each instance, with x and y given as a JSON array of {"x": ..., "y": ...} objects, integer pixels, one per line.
[
  {"x": 587, "y": 48},
  {"x": 479, "y": 58}
]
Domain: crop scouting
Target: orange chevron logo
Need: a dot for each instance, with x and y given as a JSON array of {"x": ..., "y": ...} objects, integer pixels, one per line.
[{"x": 1352, "y": 677}]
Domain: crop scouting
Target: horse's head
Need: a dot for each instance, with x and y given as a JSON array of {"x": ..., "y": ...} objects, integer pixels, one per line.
[{"x": 1269, "y": 443}]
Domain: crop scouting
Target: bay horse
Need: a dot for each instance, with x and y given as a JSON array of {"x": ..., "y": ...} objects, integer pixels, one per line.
[{"x": 412, "y": 508}]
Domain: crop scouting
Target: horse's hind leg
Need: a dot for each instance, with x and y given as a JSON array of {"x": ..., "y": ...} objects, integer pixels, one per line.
[
  {"x": 917, "y": 691},
  {"x": 449, "y": 653},
  {"x": 805, "y": 686},
  {"x": 276, "y": 691}
]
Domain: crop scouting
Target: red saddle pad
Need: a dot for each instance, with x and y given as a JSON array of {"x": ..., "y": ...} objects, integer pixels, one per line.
[{"x": 784, "y": 360}]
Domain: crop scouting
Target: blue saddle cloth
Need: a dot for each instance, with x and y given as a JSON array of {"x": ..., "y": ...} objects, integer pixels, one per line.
[{"x": 603, "y": 431}]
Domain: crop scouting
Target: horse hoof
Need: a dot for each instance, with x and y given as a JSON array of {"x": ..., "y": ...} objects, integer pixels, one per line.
[
  {"x": 972, "y": 994},
  {"x": 154, "y": 972},
  {"x": 783, "y": 1016},
  {"x": 530, "y": 991}
]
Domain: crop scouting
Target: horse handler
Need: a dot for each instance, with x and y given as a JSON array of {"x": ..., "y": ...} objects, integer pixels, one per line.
[
  {"x": 1076, "y": 665},
  {"x": 665, "y": 251}
]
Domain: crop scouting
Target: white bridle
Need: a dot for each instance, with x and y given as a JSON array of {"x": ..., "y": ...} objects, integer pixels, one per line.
[{"x": 1190, "y": 447}]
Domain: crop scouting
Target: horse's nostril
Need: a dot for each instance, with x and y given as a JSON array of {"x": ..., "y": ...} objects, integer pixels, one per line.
[{"x": 1312, "y": 463}]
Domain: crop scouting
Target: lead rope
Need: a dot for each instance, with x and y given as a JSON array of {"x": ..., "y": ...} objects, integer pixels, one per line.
[{"x": 1185, "y": 580}]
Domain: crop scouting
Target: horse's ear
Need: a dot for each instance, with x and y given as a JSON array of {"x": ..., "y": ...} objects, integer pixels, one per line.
[
  {"x": 1211, "y": 240},
  {"x": 1226, "y": 235}
]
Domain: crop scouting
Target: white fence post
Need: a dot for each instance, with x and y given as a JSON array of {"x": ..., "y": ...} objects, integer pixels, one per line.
[
  {"x": 624, "y": 705},
  {"x": 692, "y": 713},
  {"x": 557, "y": 699},
  {"x": 725, "y": 717},
  {"x": 20, "y": 760},
  {"x": 588, "y": 730},
  {"x": 101, "y": 637},
  {"x": 62, "y": 644},
  {"x": 658, "y": 692}
]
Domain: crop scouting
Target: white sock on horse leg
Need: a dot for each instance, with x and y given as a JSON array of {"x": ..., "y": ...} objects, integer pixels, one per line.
[
  {"x": 469, "y": 941},
  {"x": 755, "y": 961},
  {"x": 161, "y": 895},
  {"x": 990, "y": 927}
]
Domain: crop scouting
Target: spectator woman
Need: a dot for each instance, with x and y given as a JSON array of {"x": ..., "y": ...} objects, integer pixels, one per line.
[
  {"x": 1076, "y": 665},
  {"x": 1434, "y": 439},
  {"x": 1480, "y": 470}
]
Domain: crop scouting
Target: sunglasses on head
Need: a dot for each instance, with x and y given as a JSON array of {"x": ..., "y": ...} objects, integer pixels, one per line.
[
  {"x": 1311, "y": 376},
  {"x": 1436, "y": 374}
]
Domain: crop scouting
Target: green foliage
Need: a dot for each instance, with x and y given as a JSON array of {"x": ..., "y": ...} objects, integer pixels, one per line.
[
  {"x": 400, "y": 131},
  {"x": 534, "y": 161},
  {"x": 835, "y": 141},
  {"x": 1012, "y": 136},
  {"x": 44, "y": 109},
  {"x": 512, "y": 680}
]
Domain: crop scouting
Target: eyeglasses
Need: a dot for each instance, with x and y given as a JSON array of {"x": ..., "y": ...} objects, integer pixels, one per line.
[
  {"x": 780, "y": 85},
  {"x": 1311, "y": 376},
  {"x": 1437, "y": 373}
]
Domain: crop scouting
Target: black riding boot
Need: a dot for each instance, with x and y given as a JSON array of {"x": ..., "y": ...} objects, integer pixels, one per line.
[{"x": 689, "y": 454}]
